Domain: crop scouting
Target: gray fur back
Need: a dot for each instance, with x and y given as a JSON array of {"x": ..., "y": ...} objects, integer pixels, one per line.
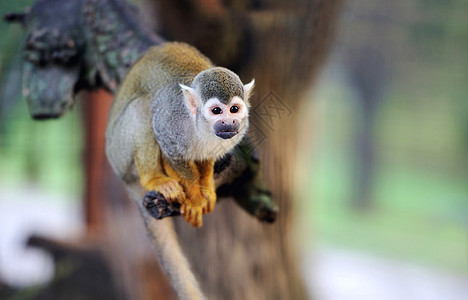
[{"x": 172, "y": 120}]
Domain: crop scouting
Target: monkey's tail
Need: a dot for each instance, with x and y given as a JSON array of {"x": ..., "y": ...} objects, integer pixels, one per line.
[
  {"x": 173, "y": 260},
  {"x": 170, "y": 254}
]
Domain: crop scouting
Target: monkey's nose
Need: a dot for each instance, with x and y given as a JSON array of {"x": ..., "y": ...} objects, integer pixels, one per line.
[{"x": 233, "y": 122}]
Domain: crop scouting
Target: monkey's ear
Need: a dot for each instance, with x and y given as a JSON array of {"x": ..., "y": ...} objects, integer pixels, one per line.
[
  {"x": 248, "y": 90},
  {"x": 191, "y": 98}
]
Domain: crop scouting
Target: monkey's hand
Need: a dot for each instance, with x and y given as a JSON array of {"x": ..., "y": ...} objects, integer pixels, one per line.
[
  {"x": 169, "y": 188},
  {"x": 192, "y": 214},
  {"x": 209, "y": 193},
  {"x": 194, "y": 205}
]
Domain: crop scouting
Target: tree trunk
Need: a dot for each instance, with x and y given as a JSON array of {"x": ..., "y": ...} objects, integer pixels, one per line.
[{"x": 234, "y": 256}]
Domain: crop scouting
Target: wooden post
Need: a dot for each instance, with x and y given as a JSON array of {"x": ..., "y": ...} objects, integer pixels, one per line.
[{"x": 96, "y": 106}]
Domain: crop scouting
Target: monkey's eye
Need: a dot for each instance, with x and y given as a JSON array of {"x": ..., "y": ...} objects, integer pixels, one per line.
[
  {"x": 234, "y": 109},
  {"x": 217, "y": 111}
]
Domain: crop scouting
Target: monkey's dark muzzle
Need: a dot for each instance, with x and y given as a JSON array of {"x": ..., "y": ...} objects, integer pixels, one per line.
[
  {"x": 226, "y": 131},
  {"x": 226, "y": 134}
]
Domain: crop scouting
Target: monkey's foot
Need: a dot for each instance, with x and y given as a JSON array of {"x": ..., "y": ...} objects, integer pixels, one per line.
[
  {"x": 210, "y": 196},
  {"x": 192, "y": 214},
  {"x": 170, "y": 189}
]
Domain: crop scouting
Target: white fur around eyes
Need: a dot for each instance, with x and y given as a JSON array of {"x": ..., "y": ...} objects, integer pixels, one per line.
[
  {"x": 208, "y": 145},
  {"x": 214, "y": 102},
  {"x": 209, "y": 105},
  {"x": 243, "y": 109}
]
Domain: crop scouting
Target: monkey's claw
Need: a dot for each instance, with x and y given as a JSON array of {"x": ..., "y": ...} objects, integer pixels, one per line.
[
  {"x": 210, "y": 196},
  {"x": 192, "y": 214},
  {"x": 171, "y": 190}
]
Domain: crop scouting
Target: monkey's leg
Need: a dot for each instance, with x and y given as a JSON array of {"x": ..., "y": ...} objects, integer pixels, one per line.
[
  {"x": 194, "y": 204},
  {"x": 207, "y": 184},
  {"x": 152, "y": 176}
]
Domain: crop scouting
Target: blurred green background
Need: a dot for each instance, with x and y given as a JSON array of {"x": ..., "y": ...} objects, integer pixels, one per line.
[
  {"x": 388, "y": 163},
  {"x": 44, "y": 154},
  {"x": 387, "y": 153}
]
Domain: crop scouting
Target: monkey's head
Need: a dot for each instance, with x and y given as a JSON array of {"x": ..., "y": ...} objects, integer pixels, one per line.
[{"x": 219, "y": 104}]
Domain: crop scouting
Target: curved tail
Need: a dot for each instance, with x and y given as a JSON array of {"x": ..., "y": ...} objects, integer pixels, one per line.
[
  {"x": 170, "y": 254},
  {"x": 173, "y": 260}
]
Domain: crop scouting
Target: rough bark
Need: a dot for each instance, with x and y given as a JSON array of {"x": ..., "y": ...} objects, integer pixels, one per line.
[{"x": 279, "y": 43}]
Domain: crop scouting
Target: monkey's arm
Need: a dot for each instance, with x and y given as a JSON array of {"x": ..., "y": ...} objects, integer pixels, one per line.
[
  {"x": 157, "y": 174},
  {"x": 207, "y": 184},
  {"x": 176, "y": 181},
  {"x": 193, "y": 206},
  {"x": 152, "y": 177}
]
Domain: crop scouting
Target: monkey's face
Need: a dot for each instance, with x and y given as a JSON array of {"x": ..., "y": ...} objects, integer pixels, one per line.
[
  {"x": 226, "y": 120},
  {"x": 218, "y": 102}
]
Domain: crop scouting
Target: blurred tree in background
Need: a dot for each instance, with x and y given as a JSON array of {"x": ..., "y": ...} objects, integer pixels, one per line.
[{"x": 391, "y": 132}]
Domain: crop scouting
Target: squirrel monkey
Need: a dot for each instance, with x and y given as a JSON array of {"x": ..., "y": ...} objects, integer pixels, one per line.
[{"x": 174, "y": 115}]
